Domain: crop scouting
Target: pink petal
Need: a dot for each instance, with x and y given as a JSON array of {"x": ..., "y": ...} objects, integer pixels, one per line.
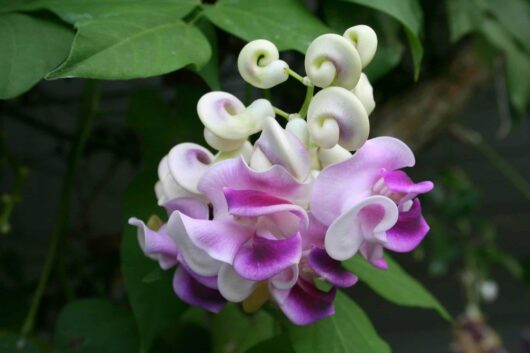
[
  {"x": 189, "y": 206},
  {"x": 192, "y": 292},
  {"x": 329, "y": 269},
  {"x": 341, "y": 185},
  {"x": 409, "y": 230},
  {"x": 187, "y": 163},
  {"x": 398, "y": 181},
  {"x": 235, "y": 174},
  {"x": 263, "y": 258},
  {"x": 373, "y": 253}
]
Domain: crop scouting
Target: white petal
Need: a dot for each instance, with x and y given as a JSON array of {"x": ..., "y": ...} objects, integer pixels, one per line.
[
  {"x": 187, "y": 163},
  {"x": 335, "y": 154},
  {"x": 332, "y": 60},
  {"x": 286, "y": 279},
  {"x": 221, "y": 144},
  {"x": 259, "y": 64},
  {"x": 365, "y": 93},
  {"x": 232, "y": 286},
  {"x": 365, "y": 41}
]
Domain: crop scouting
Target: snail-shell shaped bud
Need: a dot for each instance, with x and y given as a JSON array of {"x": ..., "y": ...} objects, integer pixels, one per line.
[
  {"x": 365, "y": 41},
  {"x": 365, "y": 93},
  {"x": 226, "y": 117},
  {"x": 335, "y": 154},
  {"x": 332, "y": 60},
  {"x": 220, "y": 143},
  {"x": 167, "y": 187},
  {"x": 298, "y": 127},
  {"x": 277, "y": 146},
  {"x": 259, "y": 64},
  {"x": 187, "y": 163},
  {"x": 337, "y": 116}
]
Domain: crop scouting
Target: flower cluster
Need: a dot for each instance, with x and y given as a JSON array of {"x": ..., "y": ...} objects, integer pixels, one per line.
[{"x": 267, "y": 221}]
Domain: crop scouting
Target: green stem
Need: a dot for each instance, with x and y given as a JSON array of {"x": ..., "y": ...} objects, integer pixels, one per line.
[
  {"x": 295, "y": 75},
  {"x": 475, "y": 139},
  {"x": 307, "y": 100},
  {"x": 87, "y": 115},
  {"x": 281, "y": 113}
]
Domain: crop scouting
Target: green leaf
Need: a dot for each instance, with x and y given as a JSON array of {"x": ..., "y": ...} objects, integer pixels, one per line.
[
  {"x": 210, "y": 71},
  {"x": 287, "y": 23},
  {"x": 26, "y": 57},
  {"x": 514, "y": 16},
  {"x": 463, "y": 16},
  {"x": 410, "y": 15},
  {"x": 395, "y": 285},
  {"x": 348, "y": 331},
  {"x": 72, "y": 11},
  {"x": 133, "y": 46},
  {"x": 235, "y": 332},
  {"x": 155, "y": 305},
  {"x": 11, "y": 343},
  {"x": 95, "y": 325},
  {"x": 276, "y": 344}
]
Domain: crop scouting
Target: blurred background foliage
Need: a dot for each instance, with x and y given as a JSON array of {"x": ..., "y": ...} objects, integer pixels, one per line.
[{"x": 77, "y": 157}]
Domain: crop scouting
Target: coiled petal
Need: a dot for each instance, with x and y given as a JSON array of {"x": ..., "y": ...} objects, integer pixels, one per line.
[
  {"x": 259, "y": 64},
  {"x": 187, "y": 163},
  {"x": 332, "y": 60},
  {"x": 364, "y": 91},
  {"x": 336, "y": 116},
  {"x": 365, "y": 41},
  {"x": 225, "y": 116},
  {"x": 222, "y": 144}
]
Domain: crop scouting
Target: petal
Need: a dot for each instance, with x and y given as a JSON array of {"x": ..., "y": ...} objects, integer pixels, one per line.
[
  {"x": 208, "y": 281},
  {"x": 409, "y": 230},
  {"x": 398, "y": 181},
  {"x": 263, "y": 258},
  {"x": 281, "y": 147},
  {"x": 196, "y": 258},
  {"x": 156, "y": 244},
  {"x": 329, "y": 269},
  {"x": 221, "y": 240},
  {"x": 249, "y": 203},
  {"x": 259, "y": 64},
  {"x": 373, "y": 253},
  {"x": 314, "y": 235},
  {"x": 234, "y": 173},
  {"x": 335, "y": 190},
  {"x": 194, "y": 293},
  {"x": 286, "y": 279},
  {"x": 304, "y": 304},
  {"x": 232, "y": 286},
  {"x": 187, "y": 163},
  {"x": 368, "y": 220},
  {"x": 167, "y": 187},
  {"x": 189, "y": 206}
]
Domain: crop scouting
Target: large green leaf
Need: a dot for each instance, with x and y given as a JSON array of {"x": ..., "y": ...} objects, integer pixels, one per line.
[
  {"x": 210, "y": 71},
  {"x": 133, "y": 45},
  {"x": 234, "y": 331},
  {"x": 463, "y": 17},
  {"x": 95, "y": 325},
  {"x": 11, "y": 343},
  {"x": 395, "y": 285},
  {"x": 276, "y": 344},
  {"x": 31, "y": 47},
  {"x": 72, "y": 11},
  {"x": 348, "y": 331},
  {"x": 154, "y": 304},
  {"x": 287, "y": 23},
  {"x": 410, "y": 15}
]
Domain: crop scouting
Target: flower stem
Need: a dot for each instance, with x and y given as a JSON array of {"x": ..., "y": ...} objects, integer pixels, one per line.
[
  {"x": 307, "y": 100},
  {"x": 281, "y": 113},
  {"x": 295, "y": 75},
  {"x": 88, "y": 112}
]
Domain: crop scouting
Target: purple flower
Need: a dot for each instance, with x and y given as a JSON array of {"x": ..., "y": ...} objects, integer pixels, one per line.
[{"x": 372, "y": 204}]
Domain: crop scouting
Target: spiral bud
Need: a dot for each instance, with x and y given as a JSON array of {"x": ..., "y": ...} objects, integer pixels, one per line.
[
  {"x": 187, "y": 163},
  {"x": 298, "y": 127},
  {"x": 364, "y": 40},
  {"x": 332, "y": 60},
  {"x": 167, "y": 188},
  {"x": 244, "y": 151},
  {"x": 226, "y": 117},
  {"x": 364, "y": 91},
  {"x": 336, "y": 116},
  {"x": 220, "y": 143},
  {"x": 335, "y": 154},
  {"x": 259, "y": 64}
]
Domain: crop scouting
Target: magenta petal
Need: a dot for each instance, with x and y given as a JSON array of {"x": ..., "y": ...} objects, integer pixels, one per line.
[
  {"x": 398, "y": 181},
  {"x": 329, "y": 269},
  {"x": 314, "y": 234},
  {"x": 189, "y": 206},
  {"x": 263, "y": 258},
  {"x": 156, "y": 244},
  {"x": 192, "y": 292},
  {"x": 250, "y": 203},
  {"x": 342, "y": 185},
  {"x": 219, "y": 239},
  {"x": 304, "y": 304},
  {"x": 374, "y": 254},
  {"x": 234, "y": 173},
  {"x": 409, "y": 230},
  {"x": 208, "y": 281}
]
